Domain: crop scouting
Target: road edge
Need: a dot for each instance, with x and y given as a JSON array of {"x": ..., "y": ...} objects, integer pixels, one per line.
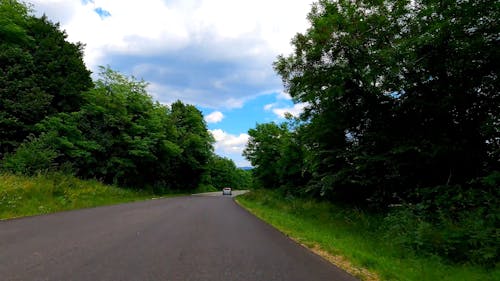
[
  {"x": 337, "y": 260},
  {"x": 167, "y": 196}
]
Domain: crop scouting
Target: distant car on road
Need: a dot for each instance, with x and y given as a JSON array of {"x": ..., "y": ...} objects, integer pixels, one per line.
[{"x": 227, "y": 191}]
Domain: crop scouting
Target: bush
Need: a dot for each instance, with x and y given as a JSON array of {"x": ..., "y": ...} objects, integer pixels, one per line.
[
  {"x": 32, "y": 157},
  {"x": 463, "y": 228},
  {"x": 205, "y": 188}
]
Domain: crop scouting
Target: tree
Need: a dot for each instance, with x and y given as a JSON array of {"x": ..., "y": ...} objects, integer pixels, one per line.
[
  {"x": 401, "y": 95},
  {"x": 343, "y": 67},
  {"x": 262, "y": 151},
  {"x": 59, "y": 65},
  {"x": 119, "y": 135},
  {"x": 22, "y": 102},
  {"x": 291, "y": 166},
  {"x": 195, "y": 143},
  {"x": 13, "y": 21},
  {"x": 244, "y": 179},
  {"x": 451, "y": 91},
  {"x": 40, "y": 73},
  {"x": 222, "y": 172}
]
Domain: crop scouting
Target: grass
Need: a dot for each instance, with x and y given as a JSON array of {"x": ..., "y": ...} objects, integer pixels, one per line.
[
  {"x": 354, "y": 241},
  {"x": 43, "y": 194}
]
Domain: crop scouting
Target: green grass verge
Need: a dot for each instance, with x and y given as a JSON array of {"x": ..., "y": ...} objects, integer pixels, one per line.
[
  {"x": 355, "y": 236},
  {"x": 26, "y": 196}
]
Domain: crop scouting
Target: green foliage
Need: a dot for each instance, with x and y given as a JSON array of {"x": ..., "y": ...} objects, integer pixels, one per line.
[
  {"x": 277, "y": 155},
  {"x": 195, "y": 143},
  {"x": 53, "y": 192},
  {"x": 396, "y": 90},
  {"x": 121, "y": 136},
  {"x": 402, "y": 108},
  {"x": 222, "y": 172},
  {"x": 30, "y": 158},
  {"x": 19, "y": 91},
  {"x": 112, "y": 131},
  {"x": 461, "y": 225},
  {"x": 13, "y": 22},
  {"x": 40, "y": 73},
  {"x": 367, "y": 240},
  {"x": 58, "y": 65},
  {"x": 262, "y": 151},
  {"x": 205, "y": 188},
  {"x": 244, "y": 179}
]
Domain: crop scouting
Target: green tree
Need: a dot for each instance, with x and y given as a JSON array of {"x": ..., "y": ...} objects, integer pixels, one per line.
[
  {"x": 270, "y": 152},
  {"x": 451, "y": 93},
  {"x": 244, "y": 179},
  {"x": 195, "y": 143},
  {"x": 119, "y": 136},
  {"x": 32, "y": 157},
  {"x": 13, "y": 22},
  {"x": 291, "y": 166},
  {"x": 223, "y": 172},
  {"x": 59, "y": 65},
  {"x": 22, "y": 102},
  {"x": 396, "y": 90},
  {"x": 40, "y": 73}
]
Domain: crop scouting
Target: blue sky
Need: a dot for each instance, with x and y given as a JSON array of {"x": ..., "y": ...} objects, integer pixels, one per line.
[{"x": 214, "y": 54}]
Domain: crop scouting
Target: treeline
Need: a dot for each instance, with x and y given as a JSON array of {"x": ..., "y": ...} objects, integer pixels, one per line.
[
  {"x": 54, "y": 117},
  {"x": 402, "y": 117}
]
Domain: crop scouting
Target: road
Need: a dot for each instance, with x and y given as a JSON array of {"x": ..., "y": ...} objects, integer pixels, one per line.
[
  {"x": 183, "y": 238},
  {"x": 219, "y": 193}
]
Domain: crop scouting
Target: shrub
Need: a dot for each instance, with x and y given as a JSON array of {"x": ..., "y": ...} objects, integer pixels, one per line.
[
  {"x": 463, "y": 228},
  {"x": 205, "y": 188},
  {"x": 31, "y": 157}
]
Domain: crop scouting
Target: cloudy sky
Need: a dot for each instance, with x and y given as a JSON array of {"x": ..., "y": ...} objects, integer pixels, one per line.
[{"x": 214, "y": 54}]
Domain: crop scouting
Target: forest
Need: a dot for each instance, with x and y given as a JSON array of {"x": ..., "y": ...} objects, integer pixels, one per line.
[
  {"x": 402, "y": 119},
  {"x": 55, "y": 117}
]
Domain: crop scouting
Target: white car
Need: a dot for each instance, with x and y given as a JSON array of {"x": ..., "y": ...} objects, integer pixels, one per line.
[{"x": 226, "y": 191}]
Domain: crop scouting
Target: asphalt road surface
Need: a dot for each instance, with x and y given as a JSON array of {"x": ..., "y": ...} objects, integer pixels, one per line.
[
  {"x": 183, "y": 238},
  {"x": 219, "y": 193}
]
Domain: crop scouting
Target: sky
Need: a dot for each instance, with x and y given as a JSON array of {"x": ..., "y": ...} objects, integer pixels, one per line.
[{"x": 214, "y": 54}]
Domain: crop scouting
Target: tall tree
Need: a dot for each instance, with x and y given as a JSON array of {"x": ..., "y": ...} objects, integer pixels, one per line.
[
  {"x": 59, "y": 65},
  {"x": 22, "y": 102},
  {"x": 40, "y": 73},
  {"x": 223, "y": 172},
  {"x": 451, "y": 92},
  {"x": 195, "y": 142},
  {"x": 343, "y": 67},
  {"x": 402, "y": 95},
  {"x": 263, "y": 152}
]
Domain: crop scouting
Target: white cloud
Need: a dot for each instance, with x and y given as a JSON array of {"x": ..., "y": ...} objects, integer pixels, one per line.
[
  {"x": 269, "y": 106},
  {"x": 295, "y": 110},
  {"x": 229, "y": 143},
  {"x": 247, "y": 35},
  {"x": 214, "y": 117},
  {"x": 231, "y": 146},
  {"x": 134, "y": 27},
  {"x": 284, "y": 96},
  {"x": 167, "y": 94},
  {"x": 145, "y": 69}
]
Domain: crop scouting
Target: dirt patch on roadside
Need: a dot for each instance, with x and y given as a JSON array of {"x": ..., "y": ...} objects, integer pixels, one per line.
[{"x": 341, "y": 262}]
